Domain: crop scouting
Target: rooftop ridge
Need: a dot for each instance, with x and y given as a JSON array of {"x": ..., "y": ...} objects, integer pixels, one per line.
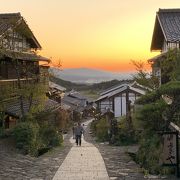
[
  {"x": 169, "y": 10},
  {"x": 18, "y": 14}
]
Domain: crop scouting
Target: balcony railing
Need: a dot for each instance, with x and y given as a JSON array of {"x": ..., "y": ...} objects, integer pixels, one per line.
[{"x": 13, "y": 83}]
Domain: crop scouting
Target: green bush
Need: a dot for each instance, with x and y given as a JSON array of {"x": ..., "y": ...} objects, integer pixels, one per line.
[
  {"x": 124, "y": 136},
  {"x": 150, "y": 118},
  {"x": 102, "y": 128},
  {"x": 34, "y": 139},
  {"x": 150, "y": 154},
  {"x": 93, "y": 126},
  {"x": 26, "y": 135},
  {"x": 50, "y": 136}
]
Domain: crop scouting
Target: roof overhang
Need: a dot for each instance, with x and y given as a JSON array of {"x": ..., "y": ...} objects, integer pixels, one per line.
[
  {"x": 158, "y": 36},
  {"x": 158, "y": 57},
  {"x": 163, "y": 55},
  {"x": 124, "y": 89},
  {"x": 16, "y": 21},
  {"x": 23, "y": 56}
]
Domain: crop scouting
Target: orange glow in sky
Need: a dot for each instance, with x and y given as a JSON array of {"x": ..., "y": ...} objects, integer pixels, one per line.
[{"x": 101, "y": 34}]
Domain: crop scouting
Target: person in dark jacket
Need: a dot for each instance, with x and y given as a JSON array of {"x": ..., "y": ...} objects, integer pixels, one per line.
[
  {"x": 73, "y": 130},
  {"x": 78, "y": 131}
]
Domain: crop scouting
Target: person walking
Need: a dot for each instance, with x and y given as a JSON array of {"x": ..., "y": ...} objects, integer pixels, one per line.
[
  {"x": 78, "y": 133},
  {"x": 73, "y": 130}
]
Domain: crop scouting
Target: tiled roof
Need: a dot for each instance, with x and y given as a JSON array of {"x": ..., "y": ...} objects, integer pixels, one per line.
[
  {"x": 56, "y": 86},
  {"x": 8, "y": 20},
  {"x": 167, "y": 26},
  {"x": 120, "y": 90},
  {"x": 13, "y": 20},
  {"x": 113, "y": 88},
  {"x": 170, "y": 21},
  {"x": 77, "y": 95},
  {"x": 74, "y": 103},
  {"x": 13, "y": 107}
]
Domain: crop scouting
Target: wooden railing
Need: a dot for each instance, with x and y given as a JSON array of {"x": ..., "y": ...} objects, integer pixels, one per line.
[{"x": 13, "y": 83}]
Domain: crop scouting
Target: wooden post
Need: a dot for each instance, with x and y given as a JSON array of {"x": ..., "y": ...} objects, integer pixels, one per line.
[
  {"x": 127, "y": 103},
  {"x": 177, "y": 155},
  {"x": 113, "y": 104}
]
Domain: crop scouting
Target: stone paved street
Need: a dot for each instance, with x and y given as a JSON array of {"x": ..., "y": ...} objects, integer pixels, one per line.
[
  {"x": 14, "y": 166},
  {"x": 82, "y": 162},
  {"x": 118, "y": 163}
]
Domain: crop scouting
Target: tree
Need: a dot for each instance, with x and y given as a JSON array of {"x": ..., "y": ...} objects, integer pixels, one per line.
[
  {"x": 170, "y": 66},
  {"x": 144, "y": 77}
]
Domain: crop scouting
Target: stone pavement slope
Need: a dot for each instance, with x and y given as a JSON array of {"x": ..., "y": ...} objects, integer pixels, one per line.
[
  {"x": 15, "y": 166},
  {"x": 82, "y": 163},
  {"x": 119, "y": 164}
]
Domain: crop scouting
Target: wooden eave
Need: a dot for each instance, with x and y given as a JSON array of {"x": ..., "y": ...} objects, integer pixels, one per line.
[
  {"x": 126, "y": 90},
  {"x": 31, "y": 38},
  {"x": 24, "y": 56},
  {"x": 158, "y": 35}
]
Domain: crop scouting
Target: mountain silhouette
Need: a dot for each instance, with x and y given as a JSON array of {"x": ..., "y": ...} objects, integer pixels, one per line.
[{"x": 87, "y": 75}]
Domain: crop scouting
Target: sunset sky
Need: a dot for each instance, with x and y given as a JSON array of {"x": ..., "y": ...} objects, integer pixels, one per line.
[{"x": 100, "y": 34}]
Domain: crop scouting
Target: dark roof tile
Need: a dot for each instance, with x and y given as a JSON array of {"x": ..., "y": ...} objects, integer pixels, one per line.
[
  {"x": 13, "y": 107},
  {"x": 170, "y": 21},
  {"x": 167, "y": 26},
  {"x": 13, "y": 20}
]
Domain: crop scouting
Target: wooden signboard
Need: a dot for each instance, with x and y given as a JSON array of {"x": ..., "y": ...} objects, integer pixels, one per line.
[{"x": 169, "y": 149}]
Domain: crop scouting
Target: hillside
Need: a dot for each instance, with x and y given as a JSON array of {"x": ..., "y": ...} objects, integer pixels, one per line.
[
  {"x": 88, "y": 76},
  {"x": 91, "y": 90}
]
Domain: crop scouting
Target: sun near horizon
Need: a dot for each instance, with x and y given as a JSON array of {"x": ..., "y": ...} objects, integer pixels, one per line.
[{"x": 101, "y": 34}]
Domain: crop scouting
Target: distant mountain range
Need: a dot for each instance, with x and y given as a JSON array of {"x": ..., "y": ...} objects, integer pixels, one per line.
[{"x": 86, "y": 75}]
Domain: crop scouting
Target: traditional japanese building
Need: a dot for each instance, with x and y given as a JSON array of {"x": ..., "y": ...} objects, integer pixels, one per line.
[
  {"x": 119, "y": 99},
  {"x": 166, "y": 36},
  {"x": 20, "y": 65},
  {"x": 18, "y": 52}
]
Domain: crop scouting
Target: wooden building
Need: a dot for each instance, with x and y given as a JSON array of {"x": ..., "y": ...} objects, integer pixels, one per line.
[
  {"x": 19, "y": 63},
  {"x": 18, "y": 52},
  {"x": 56, "y": 92},
  {"x": 166, "y": 36},
  {"x": 118, "y": 99}
]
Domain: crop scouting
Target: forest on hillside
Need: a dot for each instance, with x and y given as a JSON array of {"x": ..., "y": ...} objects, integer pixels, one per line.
[{"x": 79, "y": 87}]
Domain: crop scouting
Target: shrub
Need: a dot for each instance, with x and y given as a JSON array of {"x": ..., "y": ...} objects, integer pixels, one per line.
[
  {"x": 26, "y": 136},
  {"x": 125, "y": 136},
  {"x": 150, "y": 118},
  {"x": 102, "y": 129},
  {"x": 50, "y": 136},
  {"x": 150, "y": 154},
  {"x": 93, "y": 126}
]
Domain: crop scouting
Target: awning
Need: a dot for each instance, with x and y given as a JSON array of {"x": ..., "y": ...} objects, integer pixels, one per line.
[{"x": 24, "y": 56}]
